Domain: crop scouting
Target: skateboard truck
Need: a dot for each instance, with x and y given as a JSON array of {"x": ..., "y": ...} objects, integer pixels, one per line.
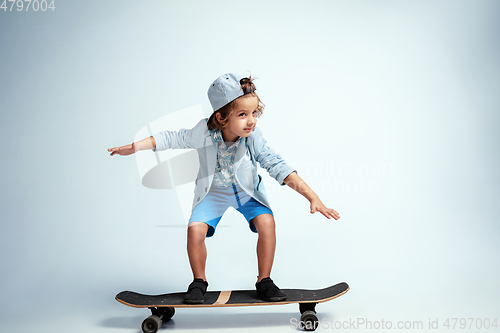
[
  {"x": 158, "y": 316},
  {"x": 308, "y": 319}
]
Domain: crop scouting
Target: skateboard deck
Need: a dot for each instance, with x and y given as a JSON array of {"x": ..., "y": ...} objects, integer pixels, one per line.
[{"x": 163, "y": 306}]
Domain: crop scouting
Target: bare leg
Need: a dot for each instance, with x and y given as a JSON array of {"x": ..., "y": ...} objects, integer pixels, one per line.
[
  {"x": 266, "y": 244},
  {"x": 197, "y": 251}
]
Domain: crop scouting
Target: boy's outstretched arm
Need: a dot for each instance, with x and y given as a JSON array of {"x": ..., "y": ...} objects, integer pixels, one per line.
[
  {"x": 147, "y": 143},
  {"x": 294, "y": 181}
]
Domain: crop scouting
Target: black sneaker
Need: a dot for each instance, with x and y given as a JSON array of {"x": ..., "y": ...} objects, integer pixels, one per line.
[
  {"x": 269, "y": 291},
  {"x": 196, "y": 292}
]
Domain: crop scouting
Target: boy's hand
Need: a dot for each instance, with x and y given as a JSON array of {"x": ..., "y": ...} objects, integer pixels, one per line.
[
  {"x": 318, "y": 206},
  {"x": 123, "y": 150}
]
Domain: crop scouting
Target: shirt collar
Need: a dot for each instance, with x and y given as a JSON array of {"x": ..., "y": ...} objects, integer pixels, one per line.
[{"x": 217, "y": 135}]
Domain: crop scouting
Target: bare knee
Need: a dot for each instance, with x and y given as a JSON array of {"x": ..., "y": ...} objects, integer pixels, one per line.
[
  {"x": 197, "y": 232},
  {"x": 265, "y": 224}
]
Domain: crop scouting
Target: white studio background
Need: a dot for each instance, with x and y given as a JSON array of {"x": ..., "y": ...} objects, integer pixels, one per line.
[{"x": 388, "y": 109}]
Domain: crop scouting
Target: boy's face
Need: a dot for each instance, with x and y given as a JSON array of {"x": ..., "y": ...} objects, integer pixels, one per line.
[{"x": 242, "y": 120}]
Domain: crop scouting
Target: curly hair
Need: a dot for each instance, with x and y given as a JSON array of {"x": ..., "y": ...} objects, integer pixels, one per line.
[{"x": 248, "y": 88}]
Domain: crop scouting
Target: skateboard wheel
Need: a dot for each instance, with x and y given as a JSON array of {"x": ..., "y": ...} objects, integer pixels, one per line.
[
  {"x": 309, "y": 320},
  {"x": 151, "y": 324},
  {"x": 168, "y": 313}
]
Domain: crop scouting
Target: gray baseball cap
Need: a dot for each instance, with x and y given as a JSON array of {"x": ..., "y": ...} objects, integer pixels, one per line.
[{"x": 225, "y": 89}]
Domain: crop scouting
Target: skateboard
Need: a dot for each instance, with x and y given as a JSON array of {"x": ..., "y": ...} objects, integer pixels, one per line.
[{"x": 163, "y": 306}]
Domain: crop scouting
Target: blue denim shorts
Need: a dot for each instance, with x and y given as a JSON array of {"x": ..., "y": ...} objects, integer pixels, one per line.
[{"x": 219, "y": 199}]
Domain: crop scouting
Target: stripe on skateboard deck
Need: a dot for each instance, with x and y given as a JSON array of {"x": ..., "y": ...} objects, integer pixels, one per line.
[{"x": 223, "y": 297}]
